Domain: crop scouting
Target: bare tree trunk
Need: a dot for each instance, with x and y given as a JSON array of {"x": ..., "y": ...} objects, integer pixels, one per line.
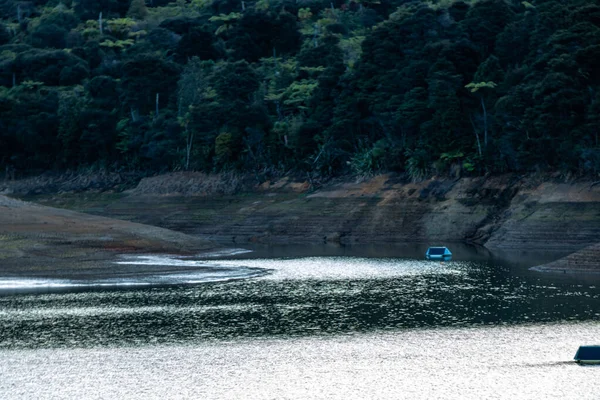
[
  {"x": 315, "y": 35},
  {"x": 14, "y": 82},
  {"x": 188, "y": 148},
  {"x": 134, "y": 116},
  {"x": 279, "y": 113},
  {"x": 10, "y": 172},
  {"x": 19, "y": 14},
  {"x": 320, "y": 152},
  {"x": 243, "y": 6},
  {"x": 157, "y": 97},
  {"x": 100, "y": 23},
  {"x": 476, "y": 136},
  {"x": 485, "y": 124}
]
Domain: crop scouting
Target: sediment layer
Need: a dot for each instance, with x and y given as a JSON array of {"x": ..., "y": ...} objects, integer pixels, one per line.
[
  {"x": 502, "y": 212},
  {"x": 36, "y": 239}
]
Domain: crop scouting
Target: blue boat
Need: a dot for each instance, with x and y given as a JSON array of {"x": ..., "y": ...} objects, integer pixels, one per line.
[
  {"x": 588, "y": 355},
  {"x": 438, "y": 253}
]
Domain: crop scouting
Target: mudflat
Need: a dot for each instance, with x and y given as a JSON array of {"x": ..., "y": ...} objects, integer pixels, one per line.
[{"x": 37, "y": 240}]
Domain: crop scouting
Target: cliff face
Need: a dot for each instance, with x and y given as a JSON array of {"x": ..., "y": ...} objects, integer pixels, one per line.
[
  {"x": 504, "y": 212},
  {"x": 381, "y": 210},
  {"x": 550, "y": 216}
]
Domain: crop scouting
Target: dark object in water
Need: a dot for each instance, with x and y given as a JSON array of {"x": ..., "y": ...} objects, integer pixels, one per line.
[
  {"x": 588, "y": 355},
  {"x": 438, "y": 253}
]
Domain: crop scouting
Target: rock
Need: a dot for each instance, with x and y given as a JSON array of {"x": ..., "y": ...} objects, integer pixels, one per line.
[{"x": 500, "y": 212}]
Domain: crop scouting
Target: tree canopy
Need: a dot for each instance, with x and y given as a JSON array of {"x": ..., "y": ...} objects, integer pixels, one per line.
[{"x": 421, "y": 87}]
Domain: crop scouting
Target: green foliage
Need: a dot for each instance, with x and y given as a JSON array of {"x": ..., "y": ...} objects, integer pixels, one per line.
[
  {"x": 70, "y": 107},
  {"x": 304, "y": 14},
  {"x": 117, "y": 44},
  {"x": 201, "y": 3},
  {"x": 120, "y": 27},
  {"x": 5, "y": 35},
  {"x": 225, "y": 22},
  {"x": 419, "y": 87},
  {"x": 418, "y": 164},
  {"x": 369, "y": 160},
  {"x": 143, "y": 78},
  {"x": 352, "y": 49},
  {"x": 48, "y": 36},
  {"x": 223, "y": 148},
  {"x": 137, "y": 9},
  {"x": 528, "y": 5},
  {"x": 474, "y": 87},
  {"x": 298, "y": 94}
]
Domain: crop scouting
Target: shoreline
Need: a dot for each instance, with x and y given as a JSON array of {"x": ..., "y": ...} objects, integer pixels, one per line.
[{"x": 185, "y": 212}]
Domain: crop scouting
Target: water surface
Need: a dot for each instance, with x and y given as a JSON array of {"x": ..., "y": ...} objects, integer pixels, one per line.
[{"x": 335, "y": 324}]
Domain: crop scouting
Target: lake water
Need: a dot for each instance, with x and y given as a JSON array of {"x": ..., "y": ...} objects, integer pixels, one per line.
[{"x": 299, "y": 323}]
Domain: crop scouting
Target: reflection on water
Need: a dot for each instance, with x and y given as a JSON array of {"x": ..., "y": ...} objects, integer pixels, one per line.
[
  {"x": 135, "y": 271},
  {"x": 333, "y": 324},
  {"x": 318, "y": 262},
  {"x": 298, "y": 297}
]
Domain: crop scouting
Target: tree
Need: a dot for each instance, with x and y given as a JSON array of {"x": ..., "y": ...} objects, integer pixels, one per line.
[
  {"x": 225, "y": 22},
  {"x": 143, "y": 77},
  {"x": 196, "y": 43},
  {"x": 70, "y": 106},
  {"x": 49, "y": 35},
  {"x": 475, "y": 87},
  {"x": 137, "y": 10},
  {"x": 196, "y": 98},
  {"x": 4, "y": 35},
  {"x": 321, "y": 87}
]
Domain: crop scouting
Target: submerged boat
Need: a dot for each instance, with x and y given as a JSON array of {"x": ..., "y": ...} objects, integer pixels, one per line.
[
  {"x": 438, "y": 253},
  {"x": 588, "y": 355}
]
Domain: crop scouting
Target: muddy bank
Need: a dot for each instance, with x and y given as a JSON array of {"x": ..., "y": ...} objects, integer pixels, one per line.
[
  {"x": 188, "y": 212},
  {"x": 584, "y": 261},
  {"x": 39, "y": 240},
  {"x": 503, "y": 212}
]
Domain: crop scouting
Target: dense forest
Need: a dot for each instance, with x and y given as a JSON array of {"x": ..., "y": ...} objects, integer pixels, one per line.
[{"x": 320, "y": 86}]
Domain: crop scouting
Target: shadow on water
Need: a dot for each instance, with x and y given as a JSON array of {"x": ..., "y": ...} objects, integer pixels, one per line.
[
  {"x": 460, "y": 252},
  {"x": 142, "y": 272}
]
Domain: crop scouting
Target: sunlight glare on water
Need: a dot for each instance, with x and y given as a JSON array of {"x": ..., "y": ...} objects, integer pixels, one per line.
[
  {"x": 192, "y": 270},
  {"x": 523, "y": 362},
  {"x": 335, "y": 327},
  {"x": 331, "y": 268}
]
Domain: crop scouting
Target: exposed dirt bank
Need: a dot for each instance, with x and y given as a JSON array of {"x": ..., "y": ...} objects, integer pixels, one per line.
[
  {"x": 502, "y": 212},
  {"x": 36, "y": 239}
]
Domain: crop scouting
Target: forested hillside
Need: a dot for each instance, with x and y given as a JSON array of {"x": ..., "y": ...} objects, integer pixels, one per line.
[{"x": 328, "y": 87}]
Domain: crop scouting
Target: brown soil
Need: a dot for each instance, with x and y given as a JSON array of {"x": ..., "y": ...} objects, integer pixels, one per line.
[
  {"x": 583, "y": 261},
  {"x": 502, "y": 212},
  {"x": 36, "y": 238}
]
